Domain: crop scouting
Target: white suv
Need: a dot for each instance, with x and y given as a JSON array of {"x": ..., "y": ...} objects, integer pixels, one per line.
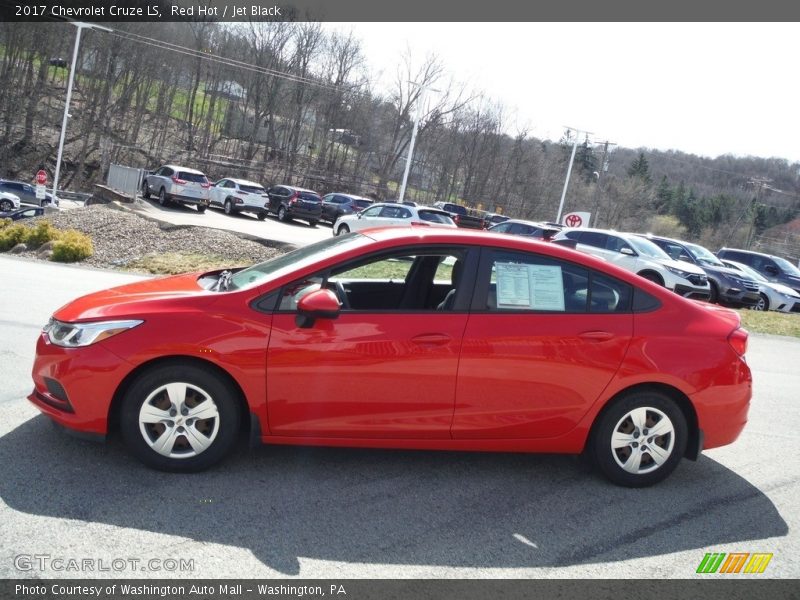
[
  {"x": 172, "y": 183},
  {"x": 643, "y": 257},
  {"x": 391, "y": 214},
  {"x": 240, "y": 195}
]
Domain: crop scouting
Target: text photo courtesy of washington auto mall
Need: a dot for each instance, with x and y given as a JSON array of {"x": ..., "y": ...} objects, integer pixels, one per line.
[{"x": 345, "y": 305}]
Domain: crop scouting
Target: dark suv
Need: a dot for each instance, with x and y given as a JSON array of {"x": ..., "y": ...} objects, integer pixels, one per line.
[
  {"x": 728, "y": 286},
  {"x": 289, "y": 202},
  {"x": 774, "y": 268},
  {"x": 336, "y": 205}
]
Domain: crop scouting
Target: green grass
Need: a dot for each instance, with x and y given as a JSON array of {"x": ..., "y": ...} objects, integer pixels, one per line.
[{"x": 771, "y": 322}]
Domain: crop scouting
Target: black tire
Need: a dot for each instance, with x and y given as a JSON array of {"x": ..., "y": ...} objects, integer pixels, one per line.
[
  {"x": 228, "y": 207},
  {"x": 145, "y": 191},
  {"x": 201, "y": 208},
  {"x": 654, "y": 277},
  {"x": 312, "y": 223},
  {"x": 162, "y": 197},
  {"x": 45, "y": 203},
  {"x": 6, "y": 205},
  {"x": 763, "y": 302},
  {"x": 714, "y": 297},
  {"x": 262, "y": 216},
  {"x": 342, "y": 229},
  {"x": 282, "y": 215},
  {"x": 643, "y": 466},
  {"x": 199, "y": 387}
]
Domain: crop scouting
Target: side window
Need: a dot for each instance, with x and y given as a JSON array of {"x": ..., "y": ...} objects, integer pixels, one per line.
[
  {"x": 405, "y": 282},
  {"x": 531, "y": 282},
  {"x": 230, "y": 184},
  {"x": 167, "y": 172},
  {"x": 608, "y": 295},
  {"x": 373, "y": 212},
  {"x": 502, "y": 228},
  {"x": 575, "y": 235},
  {"x": 616, "y": 244},
  {"x": 593, "y": 238}
]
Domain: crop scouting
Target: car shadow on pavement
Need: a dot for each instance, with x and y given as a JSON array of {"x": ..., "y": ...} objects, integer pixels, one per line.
[{"x": 387, "y": 507}]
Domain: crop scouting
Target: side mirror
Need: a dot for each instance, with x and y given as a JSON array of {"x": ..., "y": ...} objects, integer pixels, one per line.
[
  {"x": 627, "y": 251},
  {"x": 319, "y": 304}
]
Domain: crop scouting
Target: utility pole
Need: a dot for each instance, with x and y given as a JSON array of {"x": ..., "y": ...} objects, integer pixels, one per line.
[
  {"x": 569, "y": 169},
  {"x": 421, "y": 98},
  {"x": 81, "y": 27},
  {"x": 603, "y": 169},
  {"x": 759, "y": 183}
]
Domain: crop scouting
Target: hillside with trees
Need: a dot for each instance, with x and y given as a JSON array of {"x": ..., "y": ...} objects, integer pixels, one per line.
[{"x": 294, "y": 103}]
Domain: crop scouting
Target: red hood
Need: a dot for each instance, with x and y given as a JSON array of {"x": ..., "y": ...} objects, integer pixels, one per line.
[{"x": 163, "y": 294}]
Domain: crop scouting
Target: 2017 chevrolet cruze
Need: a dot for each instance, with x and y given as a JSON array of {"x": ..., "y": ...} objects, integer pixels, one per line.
[{"x": 402, "y": 338}]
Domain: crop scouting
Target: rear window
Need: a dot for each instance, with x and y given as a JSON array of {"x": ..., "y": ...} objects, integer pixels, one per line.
[
  {"x": 193, "y": 177},
  {"x": 310, "y": 196},
  {"x": 253, "y": 189},
  {"x": 456, "y": 208},
  {"x": 435, "y": 217}
]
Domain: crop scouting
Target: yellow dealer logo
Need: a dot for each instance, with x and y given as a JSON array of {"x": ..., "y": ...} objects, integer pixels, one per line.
[{"x": 734, "y": 562}]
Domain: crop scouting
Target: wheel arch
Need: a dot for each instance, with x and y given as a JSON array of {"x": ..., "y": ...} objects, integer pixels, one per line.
[
  {"x": 651, "y": 274},
  {"x": 694, "y": 443},
  {"x": 125, "y": 384}
]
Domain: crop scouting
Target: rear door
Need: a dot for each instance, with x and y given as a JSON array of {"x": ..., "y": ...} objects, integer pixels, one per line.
[{"x": 544, "y": 338}]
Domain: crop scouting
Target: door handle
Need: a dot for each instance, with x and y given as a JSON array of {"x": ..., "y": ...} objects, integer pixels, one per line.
[
  {"x": 431, "y": 339},
  {"x": 596, "y": 336}
]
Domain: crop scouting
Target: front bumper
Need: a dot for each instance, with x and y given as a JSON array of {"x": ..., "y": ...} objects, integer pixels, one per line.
[
  {"x": 693, "y": 292},
  {"x": 75, "y": 386},
  {"x": 738, "y": 297}
]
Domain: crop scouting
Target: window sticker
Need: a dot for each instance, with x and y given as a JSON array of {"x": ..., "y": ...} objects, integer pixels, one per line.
[{"x": 537, "y": 287}]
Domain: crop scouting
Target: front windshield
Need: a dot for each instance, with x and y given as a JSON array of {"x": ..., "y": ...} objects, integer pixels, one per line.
[
  {"x": 647, "y": 248},
  {"x": 787, "y": 266},
  {"x": 752, "y": 273},
  {"x": 296, "y": 259},
  {"x": 704, "y": 255}
]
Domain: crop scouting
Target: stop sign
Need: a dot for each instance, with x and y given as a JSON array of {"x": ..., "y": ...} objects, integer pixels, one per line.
[{"x": 41, "y": 177}]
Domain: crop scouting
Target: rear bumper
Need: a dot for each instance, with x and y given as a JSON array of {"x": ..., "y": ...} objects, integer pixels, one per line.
[
  {"x": 722, "y": 409},
  {"x": 188, "y": 199},
  {"x": 300, "y": 212}
]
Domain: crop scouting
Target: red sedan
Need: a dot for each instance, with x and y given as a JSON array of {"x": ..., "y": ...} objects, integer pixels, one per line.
[{"x": 433, "y": 339}]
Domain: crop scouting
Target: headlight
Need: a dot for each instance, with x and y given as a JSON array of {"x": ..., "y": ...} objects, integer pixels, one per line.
[
  {"x": 680, "y": 272},
  {"x": 76, "y": 335}
]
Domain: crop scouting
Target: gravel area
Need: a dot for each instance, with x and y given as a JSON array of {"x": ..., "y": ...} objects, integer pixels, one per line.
[{"x": 122, "y": 239}]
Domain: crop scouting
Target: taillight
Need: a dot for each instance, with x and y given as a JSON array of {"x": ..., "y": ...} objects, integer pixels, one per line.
[
  {"x": 738, "y": 340},
  {"x": 455, "y": 219},
  {"x": 294, "y": 199},
  {"x": 420, "y": 224},
  {"x": 178, "y": 180},
  {"x": 206, "y": 185}
]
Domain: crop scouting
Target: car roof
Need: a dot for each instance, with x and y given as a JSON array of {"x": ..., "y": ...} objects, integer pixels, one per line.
[
  {"x": 526, "y": 222},
  {"x": 187, "y": 169},
  {"x": 299, "y": 189},
  {"x": 752, "y": 252},
  {"x": 243, "y": 181}
]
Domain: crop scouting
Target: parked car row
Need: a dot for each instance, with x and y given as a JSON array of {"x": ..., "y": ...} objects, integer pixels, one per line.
[{"x": 15, "y": 193}]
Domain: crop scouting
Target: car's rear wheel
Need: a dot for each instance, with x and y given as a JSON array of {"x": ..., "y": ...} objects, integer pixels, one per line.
[
  {"x": 282, "y": 216},
  {"x": 228, "y": 206},
  {"x": 342, "y": 229},
  {"x": 179, "y": 418},
  {"x": 162, "y": 197},
  {"x": 145, "y": 191},
  {"x": 713, "y": 292},
  {"x": 763, "y": 302},
  {"x": 262, "y": 216},
  {"x": 201, "y": 208},
  {"x": 640, "y": 439},
  {"x": 312, "y": 223},
  {"x": 6, "y": 205}
]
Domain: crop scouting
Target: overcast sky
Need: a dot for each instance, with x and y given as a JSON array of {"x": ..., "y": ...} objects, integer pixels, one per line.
[{"x": 706, "y": 89}]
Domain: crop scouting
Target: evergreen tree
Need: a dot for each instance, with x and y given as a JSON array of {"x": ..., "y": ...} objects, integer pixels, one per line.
[
  {"x": 586, "y": 161},
  {"x": 663, "y": 196},
  {"x": 640, "y": 168}
]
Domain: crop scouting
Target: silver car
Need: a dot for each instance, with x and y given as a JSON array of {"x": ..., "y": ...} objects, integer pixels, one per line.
[
  {"x": 240, "y": 195},
  {"x": 8, "y": 201},
  {"x": 772, "y": 295},
  {"x": 183, "y": 185}
]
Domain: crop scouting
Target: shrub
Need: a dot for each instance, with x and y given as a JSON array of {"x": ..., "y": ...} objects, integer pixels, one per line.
[
  {"x": 11, "y": 235},
  {"x": 72, "y": 246},
  {"x": 41, "y": 234},
  {"x": 5, "y": 223}
]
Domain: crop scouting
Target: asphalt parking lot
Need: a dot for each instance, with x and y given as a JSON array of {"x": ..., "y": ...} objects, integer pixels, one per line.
[{"x": 335, "y": 513}]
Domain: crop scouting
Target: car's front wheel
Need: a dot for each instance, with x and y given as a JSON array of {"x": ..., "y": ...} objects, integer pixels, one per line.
[
  {"x": 282, "y": 215},
  {"x": 162, "y": 197},
  {"x": 342, "y": 229},
  {"x": 179, "y": 417},
  {"x": 640, "y": 439},
  {"x": 145, "y": 191},
  {"x": 763, "y": 302},
  {"x": 6, "y": 205},
  {"x": 228, "y": 206}
]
